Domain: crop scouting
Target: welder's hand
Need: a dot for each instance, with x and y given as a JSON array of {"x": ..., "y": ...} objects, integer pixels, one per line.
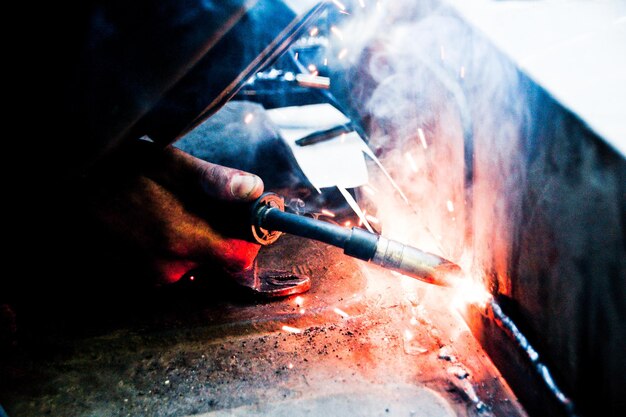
[{"x": 159, "y": 212}]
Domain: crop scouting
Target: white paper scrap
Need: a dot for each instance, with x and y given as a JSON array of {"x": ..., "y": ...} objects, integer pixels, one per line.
[{"x": 335, "y": 162}]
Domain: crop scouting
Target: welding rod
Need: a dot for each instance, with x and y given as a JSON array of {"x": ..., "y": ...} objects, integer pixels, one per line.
[{"x": 269, "y": 217}]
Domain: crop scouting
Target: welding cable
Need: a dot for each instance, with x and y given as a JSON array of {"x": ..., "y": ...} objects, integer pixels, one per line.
[{"x": 357, "y": 243}]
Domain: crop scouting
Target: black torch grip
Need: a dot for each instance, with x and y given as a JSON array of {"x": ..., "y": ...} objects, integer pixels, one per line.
[
  {"x": 274, "y": 219},
  {"x": 357, "y": 242}
]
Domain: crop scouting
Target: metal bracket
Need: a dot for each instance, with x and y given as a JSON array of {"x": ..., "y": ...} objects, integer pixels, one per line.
[{"x": 273, "y": 283}]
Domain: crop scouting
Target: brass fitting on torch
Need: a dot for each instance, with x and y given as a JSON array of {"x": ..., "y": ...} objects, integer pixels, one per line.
[{"x": 269, "y": 220}]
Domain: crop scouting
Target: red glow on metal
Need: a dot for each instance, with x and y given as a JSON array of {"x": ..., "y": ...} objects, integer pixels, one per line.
[{"x": 191, "y": 278}]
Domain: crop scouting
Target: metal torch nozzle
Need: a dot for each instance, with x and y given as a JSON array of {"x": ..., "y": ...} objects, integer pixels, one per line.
[
  {"x": 415, "y": 263},
  {"x": 269, "y": 219}
]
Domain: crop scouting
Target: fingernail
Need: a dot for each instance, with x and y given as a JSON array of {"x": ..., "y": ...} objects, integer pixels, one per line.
[{"x": 241, "y": 186}]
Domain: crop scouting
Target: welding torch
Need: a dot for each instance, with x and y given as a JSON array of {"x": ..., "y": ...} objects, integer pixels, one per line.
[{"x": 269, "y": 220}]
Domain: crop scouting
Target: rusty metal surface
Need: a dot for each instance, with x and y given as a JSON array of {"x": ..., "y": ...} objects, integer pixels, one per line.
[{"x": 229, "y": 356}]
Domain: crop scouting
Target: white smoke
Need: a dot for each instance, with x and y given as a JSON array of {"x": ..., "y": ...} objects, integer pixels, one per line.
[{"x": 432, "y": 89}]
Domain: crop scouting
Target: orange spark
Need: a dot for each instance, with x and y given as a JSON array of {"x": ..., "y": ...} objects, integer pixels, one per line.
[
  {"x": 368, "y": 189},
  {"x": 312, "y": 68},
  {"x": 408, "y": 335},
  {"x": 291, "y": 329},
  {"x": 413, "y": 321},
  {"x": 299, "y": 301},
  {"x": 302, "y": 311},
  {"x": 314, "y": 31},
  {"x": 328, "y": 213},
  {"x": 290, "y": 366},
  {"x": 372, "y": 219},
  {"x": 420, "y": 134},
  {"x": 412, "y": 163},
  {"x": 248, "y": 119},
  {"x": 336, "y": 32},
  {"x": 342, "y": 53},
  {"x": 450, "y": 206},
  {"x": 348, "y": 223},
  {"x": 341, "y": 312},
  {"x": 339, "y": 5}
]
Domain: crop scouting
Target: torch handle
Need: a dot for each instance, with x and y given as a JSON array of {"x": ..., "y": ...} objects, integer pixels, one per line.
[{"x": 269, "y": 217}]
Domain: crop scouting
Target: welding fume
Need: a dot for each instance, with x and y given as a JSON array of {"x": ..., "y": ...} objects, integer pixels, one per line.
[{"x": 136, "y": 78}]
